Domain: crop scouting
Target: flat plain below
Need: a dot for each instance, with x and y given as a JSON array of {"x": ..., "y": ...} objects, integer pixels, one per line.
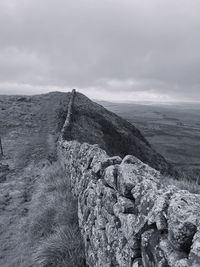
[{"x": 173, "y": 129}]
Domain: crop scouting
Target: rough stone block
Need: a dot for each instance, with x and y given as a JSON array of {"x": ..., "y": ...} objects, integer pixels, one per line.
[
  {"x": 183, "y": 219},
  {"x": 110, "y": 176}
]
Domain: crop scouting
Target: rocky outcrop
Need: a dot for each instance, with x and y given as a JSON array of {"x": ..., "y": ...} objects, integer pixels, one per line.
[{"x": 126, "y": 216}]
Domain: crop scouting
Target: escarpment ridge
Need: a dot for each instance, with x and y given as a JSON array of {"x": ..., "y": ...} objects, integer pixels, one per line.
[
  {"x": 127, "y": 218},
  {"x": 92, "y": 123}
]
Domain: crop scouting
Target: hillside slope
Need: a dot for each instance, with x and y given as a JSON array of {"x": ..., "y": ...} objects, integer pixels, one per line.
[
  {"x": 29, "y": 127},
  {"x": 93, "y": 124}
]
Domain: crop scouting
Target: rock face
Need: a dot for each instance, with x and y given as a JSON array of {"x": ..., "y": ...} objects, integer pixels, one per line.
[{"x": 126, "y": 217}]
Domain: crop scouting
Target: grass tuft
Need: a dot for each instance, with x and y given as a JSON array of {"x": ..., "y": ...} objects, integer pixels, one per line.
[
  {"x": 183, "y": 182},
  {"x": 54, "y": 227},
  {"x": 60, "y": 249}
]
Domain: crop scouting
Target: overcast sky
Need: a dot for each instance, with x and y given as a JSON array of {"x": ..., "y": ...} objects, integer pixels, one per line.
[{"x": 108, "y": 49}]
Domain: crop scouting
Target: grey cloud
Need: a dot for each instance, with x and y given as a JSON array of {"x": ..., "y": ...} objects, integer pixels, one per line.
[{"x": 108, "y": 45}]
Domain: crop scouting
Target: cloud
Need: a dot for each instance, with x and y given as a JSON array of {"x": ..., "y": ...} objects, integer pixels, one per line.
[{"x": 105, "y": 48}]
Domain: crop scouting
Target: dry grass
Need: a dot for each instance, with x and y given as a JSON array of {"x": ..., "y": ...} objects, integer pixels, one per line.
[
  {"x": 190, "y": 182},
  {"x": 62, "y": 248},
  {"x": 54, "y": 224}
]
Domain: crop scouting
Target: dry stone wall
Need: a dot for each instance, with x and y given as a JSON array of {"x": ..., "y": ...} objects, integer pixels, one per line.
[
  {"x": 66, "y": 125},
  {"x": 127, "y": 218}
]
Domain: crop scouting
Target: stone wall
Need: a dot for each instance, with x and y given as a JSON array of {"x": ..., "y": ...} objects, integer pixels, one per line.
[
  {"x": 66, "y": 125},
  {"x": 126, "y": 217}
]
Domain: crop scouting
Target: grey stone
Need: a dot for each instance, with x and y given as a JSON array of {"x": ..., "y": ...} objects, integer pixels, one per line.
[
  {"x": 111, "y": 176},
  {"x": 124, "y": 205},
  {"x": 183, "y": 219},
  {"x": 194, "y": 256}
]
